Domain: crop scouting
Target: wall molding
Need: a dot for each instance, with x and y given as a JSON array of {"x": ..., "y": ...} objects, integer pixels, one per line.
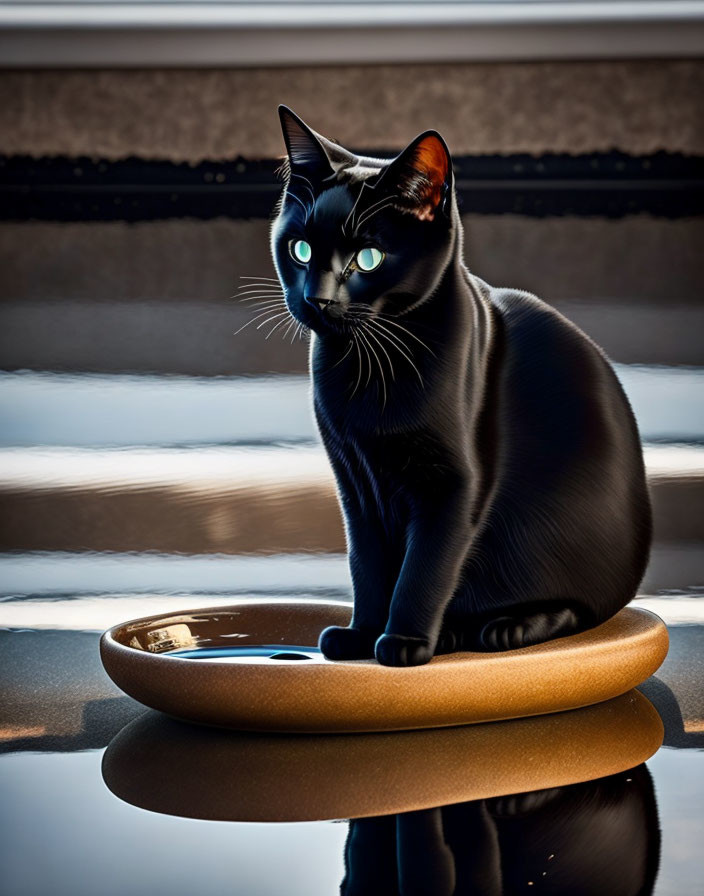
[{"x": 188, "y": 34}]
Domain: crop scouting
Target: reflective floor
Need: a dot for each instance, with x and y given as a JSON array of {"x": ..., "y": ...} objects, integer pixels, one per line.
[
  {"x": 100, "y": 795},
  {"x": 150, "y": 461}
]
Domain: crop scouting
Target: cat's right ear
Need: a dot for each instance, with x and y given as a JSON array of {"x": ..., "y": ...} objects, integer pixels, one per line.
[{"x": 306, "y": 153}]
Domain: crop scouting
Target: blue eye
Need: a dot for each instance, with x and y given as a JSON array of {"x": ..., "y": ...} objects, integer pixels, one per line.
[
  {"x": 301, "y": 251},
  {"x": 369, "y": 259}
]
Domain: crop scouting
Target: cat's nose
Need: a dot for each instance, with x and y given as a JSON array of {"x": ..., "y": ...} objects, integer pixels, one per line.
[
  {"x": 318, "y": 304},
  {"x": 329, "y": 306}
]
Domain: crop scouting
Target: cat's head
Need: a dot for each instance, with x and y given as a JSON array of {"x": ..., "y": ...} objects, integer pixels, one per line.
[{"x": 356, "y": 235}]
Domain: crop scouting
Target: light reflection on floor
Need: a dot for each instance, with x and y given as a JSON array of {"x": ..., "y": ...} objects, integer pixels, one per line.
[
  {"x": 56, "y": 805},
  {"x": 53, "y": 804}
]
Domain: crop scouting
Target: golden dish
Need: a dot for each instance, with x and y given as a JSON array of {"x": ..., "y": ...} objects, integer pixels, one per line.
[{"x": 254, "y": 667}]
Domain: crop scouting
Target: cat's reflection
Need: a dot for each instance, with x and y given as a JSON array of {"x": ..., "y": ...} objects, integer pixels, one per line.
[{"x": 600, "y": 838}]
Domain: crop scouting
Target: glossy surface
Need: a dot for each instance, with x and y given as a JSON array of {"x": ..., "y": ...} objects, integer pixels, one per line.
[
  {"x": 324, "y": 696},
  {"x": 65, "y": 830},
  {"x": 170, "y": 767}
]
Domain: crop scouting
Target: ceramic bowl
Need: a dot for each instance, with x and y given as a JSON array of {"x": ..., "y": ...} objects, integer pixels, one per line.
[{"x": 254, "y": 666}]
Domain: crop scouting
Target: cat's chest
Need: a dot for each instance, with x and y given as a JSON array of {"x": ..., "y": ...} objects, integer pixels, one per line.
[
  {"x": 386, "y": 460},
  {"x": 353, "y": 400},
  {"x": 379, "y": 469},
  {"x": 396, "y": 466}
]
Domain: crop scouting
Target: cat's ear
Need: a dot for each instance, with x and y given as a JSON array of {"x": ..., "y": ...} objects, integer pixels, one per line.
[
  {"x": 422, "y": 176},
  {"x": 306, "y": 152}
]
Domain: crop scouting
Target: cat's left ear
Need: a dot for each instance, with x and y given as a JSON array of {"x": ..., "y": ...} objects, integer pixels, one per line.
[
  {"x": 422, "y": 174},
  {"x": 309, "y": 153},
  {"x": 305, "y": 151}
]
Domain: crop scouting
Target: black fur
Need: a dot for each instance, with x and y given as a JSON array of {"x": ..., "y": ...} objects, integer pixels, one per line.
[
  {"x": 601, "y": 838},
  {"x": 487, "y": 460}
]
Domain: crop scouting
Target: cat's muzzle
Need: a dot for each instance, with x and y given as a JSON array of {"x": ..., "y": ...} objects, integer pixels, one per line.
[{"x": 326, "y": 306}]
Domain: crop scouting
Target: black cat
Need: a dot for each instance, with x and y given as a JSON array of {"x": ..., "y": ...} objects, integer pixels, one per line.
[
  {"x": 488, "y": 463},
  {"x": 601, "y": 838}
]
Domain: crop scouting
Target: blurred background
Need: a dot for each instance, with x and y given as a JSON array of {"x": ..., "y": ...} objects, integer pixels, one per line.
[{"x": 151, "y": 459}]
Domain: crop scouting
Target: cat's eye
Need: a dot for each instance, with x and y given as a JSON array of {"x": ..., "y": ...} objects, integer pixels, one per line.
[
  {"x": 301, "y": 251},
  {"x": 369, "y": 259}
]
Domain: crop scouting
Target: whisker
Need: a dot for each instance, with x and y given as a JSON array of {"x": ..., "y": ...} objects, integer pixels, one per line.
[
  {"x": 391, "y": 366},
  {"x": 264, "y": 290},
  {"x": 394, "y": 340},
  {"x": 288, "y": 328},
  {"x": 363, "y": 334},
  {"x": 369, "y": 360},
  {"x": 366, "y": 312},
  {"x": 249, "y": 277},
  {"x": 252, "y": 287},
  {"x": 261, "y": 308},
  {"x": 276, "y": 327},
  {"x": 272, "y": 302},
  {"x": 251, "y": 321},
  {"x": 349, "y": 349},
  {"x": 273, "y": 317},
  {"x": 395, "y": 323},
  {"x": 259, "y": 295},
  {"x": 359, "y": 359}
]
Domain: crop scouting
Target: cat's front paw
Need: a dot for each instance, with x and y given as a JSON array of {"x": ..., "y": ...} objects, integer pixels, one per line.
[
  {"x": 399, "y": 650},
  {"x": 339, "y": 643}
]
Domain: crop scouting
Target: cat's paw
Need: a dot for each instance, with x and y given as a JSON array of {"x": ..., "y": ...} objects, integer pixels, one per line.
[
  {"x": 504, "y": 633},
  {"x": 337, "y": 643},
  {"x": 509, "y": 632},
  {"x": 399, "y": 650}
]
